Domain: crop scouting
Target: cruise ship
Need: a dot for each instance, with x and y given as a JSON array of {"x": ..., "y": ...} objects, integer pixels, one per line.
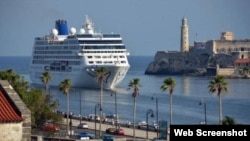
[{"x": 68, "y": 53}]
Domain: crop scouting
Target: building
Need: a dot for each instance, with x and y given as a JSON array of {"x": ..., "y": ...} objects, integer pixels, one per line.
[
  {"x": 15, "y": 117},
  {"x": 240, "y": 48}
]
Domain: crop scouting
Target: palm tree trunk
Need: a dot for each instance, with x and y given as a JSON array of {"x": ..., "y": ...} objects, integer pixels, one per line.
[
  {"x": 100, "y": 125},
  {"x": 67, "y": 114},
  {"x": 134, "y": 115},
  {"x": 220, "y": 110},
  {"x": 46, "y": 88},
  {"x": 170, "y": 101}
]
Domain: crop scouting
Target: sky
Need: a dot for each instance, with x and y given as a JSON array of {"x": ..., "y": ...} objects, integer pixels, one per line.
[{"x": 147, "y": 26}]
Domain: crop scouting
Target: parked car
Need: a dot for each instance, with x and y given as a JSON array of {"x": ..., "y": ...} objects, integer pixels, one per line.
[
  {"x": 92, "y": 117},
  {"x": 155, "y": 126},
  {"x": 141, "y": 124},
  {"x": 120, "y": 131},
  {"x": 50, "y": 127},
  {"x": 85, "y": 136},
  {"x": 112, "y": 130},
  {"x": 82, "y": 126}
]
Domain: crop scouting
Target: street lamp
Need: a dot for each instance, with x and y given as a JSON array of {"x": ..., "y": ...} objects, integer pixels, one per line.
[
  {"x": 156, "y": 108},
  {"x": 116, "y": 116},
  {"x": 203, "y": 102},
  {"x": 149, "y": 111},
  {"x": 96, "y": 106}
]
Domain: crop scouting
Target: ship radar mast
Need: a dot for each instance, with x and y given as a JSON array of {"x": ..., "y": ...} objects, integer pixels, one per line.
[{"x": 89, "y": 26}]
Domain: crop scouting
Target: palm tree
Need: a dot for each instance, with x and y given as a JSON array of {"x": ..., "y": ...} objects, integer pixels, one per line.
[
  {"x": 134, "y": 84},
  {"x": 64, "y": 86},
  {"x": 101, "y": 73},
  {"x": 169, "y": 83},
  {"x": 228, "y": 121},
  {"x": 45, "y": 78},
  {"x": 218, "y": 84},
  {"x": 10, "y": 76}
]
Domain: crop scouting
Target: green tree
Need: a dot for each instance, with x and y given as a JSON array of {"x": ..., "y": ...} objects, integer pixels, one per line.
[
  {"x": 41, "y": 110},
  {"x": 228, "y": 121},
  {"x": 45, "y": 78},
  {"x": 219, "y": 85},
  {"x": 169, "y": 83},
  {"x": 34, "y": 99},
  {"x": 134, "y": 84},
  {"x": 65, "y": 86},
  {"x": 101, "y": 73},
  {"x": 10, "y": 76}
]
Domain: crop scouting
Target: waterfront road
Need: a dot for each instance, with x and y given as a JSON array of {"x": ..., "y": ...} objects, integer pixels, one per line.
[{"x": 139, "y": 133}]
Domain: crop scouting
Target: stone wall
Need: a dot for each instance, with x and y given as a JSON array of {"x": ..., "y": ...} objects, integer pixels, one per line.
[
  {"x": 11, "y": 131},
  {"x": 178, "y": 63},
  {"x": 227, "y": 72}
]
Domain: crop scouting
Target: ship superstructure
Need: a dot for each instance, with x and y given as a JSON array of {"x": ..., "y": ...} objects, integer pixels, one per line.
[{"x": 68, "y": 54}]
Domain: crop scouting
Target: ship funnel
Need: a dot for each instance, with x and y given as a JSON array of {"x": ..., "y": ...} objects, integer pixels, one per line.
[{"x": 61, "y": 26}]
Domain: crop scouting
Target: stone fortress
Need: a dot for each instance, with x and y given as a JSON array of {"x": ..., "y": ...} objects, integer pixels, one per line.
[{"x": 225, "y": 56}]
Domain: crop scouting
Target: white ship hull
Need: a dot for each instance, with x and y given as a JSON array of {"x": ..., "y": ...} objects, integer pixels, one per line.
[{"x": 84, "y": 78}]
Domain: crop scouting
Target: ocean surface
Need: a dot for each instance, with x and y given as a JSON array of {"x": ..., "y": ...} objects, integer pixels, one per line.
[{"x": 188, "y": 93}]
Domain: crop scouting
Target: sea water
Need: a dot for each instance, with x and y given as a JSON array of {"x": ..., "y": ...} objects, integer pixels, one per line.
[{"x": 187, "y": 95}]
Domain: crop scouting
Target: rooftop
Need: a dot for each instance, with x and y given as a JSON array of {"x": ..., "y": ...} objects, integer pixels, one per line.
[{"x": 8, "y": 110}]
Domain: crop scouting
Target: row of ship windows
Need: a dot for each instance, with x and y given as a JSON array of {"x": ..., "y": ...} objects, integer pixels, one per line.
[
  {"x": 78, "y": 47},
  {"x": 107, "y": 62},
  {"x": 101, "y": 42},
  {"x": 105, "y": 47},
  {"x": 98, "y": 57},
  {"x": 99, "y": 35},
  {"x": 70, "y": 52},
  {"x": 53, "y": 42},
  {"x": 77, "y": 62},
  {"x": 51, "y": 62},
  {"x": 57, "y": 47},
  {"x": 103, "y": 52},
  {"x": 87, "y": 36},
  {"x": 57, "y": 57},
  {"x": 52, "y": 52},
  {"x": 75, "y": 57}
]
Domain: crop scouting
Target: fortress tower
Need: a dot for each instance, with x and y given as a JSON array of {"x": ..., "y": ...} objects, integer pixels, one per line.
[{"x": 184, "y": 36}]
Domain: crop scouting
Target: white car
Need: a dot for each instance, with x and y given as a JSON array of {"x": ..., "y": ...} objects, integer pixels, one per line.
[
  {"x": 83, "y": 126},
  {"x": 155, "y": 126},
  {"x": 142, "y": 123}
]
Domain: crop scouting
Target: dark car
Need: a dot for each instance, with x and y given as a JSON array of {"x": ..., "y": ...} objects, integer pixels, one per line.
[
  {"x": 85, "y": 136},
  {"x": 107, "y": 138},
  {"x": 112, "y": 130}
]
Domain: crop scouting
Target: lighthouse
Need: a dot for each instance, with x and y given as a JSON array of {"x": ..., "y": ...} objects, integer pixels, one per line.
[{"x": 184, "y": 36}]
